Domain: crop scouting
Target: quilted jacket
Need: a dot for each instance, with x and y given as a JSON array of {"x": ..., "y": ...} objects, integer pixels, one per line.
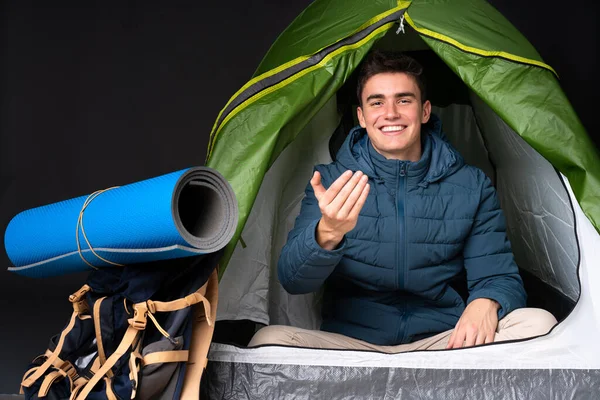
[{"x": 426, "y": 227}]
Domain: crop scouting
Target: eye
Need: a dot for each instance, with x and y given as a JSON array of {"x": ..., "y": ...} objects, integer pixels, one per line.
[
  {"x": 376, "y": 103},
  {"x": 404, "y": 101}
]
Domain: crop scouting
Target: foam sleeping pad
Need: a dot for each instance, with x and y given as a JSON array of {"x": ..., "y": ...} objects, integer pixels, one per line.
[{"x": 184, "y": 213}]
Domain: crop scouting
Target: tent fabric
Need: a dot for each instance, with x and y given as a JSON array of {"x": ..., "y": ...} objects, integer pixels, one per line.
[
  {"x": 538, "y": 111},
  {"x": 181, "y": 214},
  {"x": 534, "y": 200},
  {"x": 248, "y": 138},
  {"x": 250, "y": 288},
  {"x": 335, "y": 20},
  {"x": 460, "y": 24}
]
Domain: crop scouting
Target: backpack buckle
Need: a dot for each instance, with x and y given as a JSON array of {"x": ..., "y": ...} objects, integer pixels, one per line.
[
  {"x": 68, "y": 369},
  {"x": 78, "y": 295},
  {"x": 140, "y": 312},
  {"x": 78, "y": 300}
]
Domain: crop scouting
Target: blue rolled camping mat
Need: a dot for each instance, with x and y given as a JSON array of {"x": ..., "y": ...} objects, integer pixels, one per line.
[{"x": 184, "y": 213}]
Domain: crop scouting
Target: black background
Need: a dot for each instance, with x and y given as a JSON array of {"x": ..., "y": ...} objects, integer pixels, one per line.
[{"x": 97, "y": 94}]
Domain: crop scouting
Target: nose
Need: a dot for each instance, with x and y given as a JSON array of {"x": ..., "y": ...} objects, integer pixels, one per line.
[{"x": 392, "y": 111}]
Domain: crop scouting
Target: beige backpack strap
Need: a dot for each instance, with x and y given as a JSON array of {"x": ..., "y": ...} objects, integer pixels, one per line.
[
  {"x": 98, "y": 330},
  {"x": 26, "y": 374},
  {"x": 179, "y": 304},
  {"x": 79, "y": 307},
  {"x": 165, "y": 357},
  {"x": 202, "y": 332},
  {"x": 48, "y": 381},
  {"x": 110, "y": 393},
  {"x": 136, "y": 325},
  {"x": 134, "y": 367},
  {"x": 65, "y": 370}
]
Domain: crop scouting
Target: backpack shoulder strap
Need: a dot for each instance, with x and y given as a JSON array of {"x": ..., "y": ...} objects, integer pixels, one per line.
[
  {"x": 80, "y": 309},
  {"x": 202, "y": 333}
]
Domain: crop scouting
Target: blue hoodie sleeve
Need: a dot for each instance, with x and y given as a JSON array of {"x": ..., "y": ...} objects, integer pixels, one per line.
[
  {"x": 491, "y": 269},
  {"x": 304, "y": 265}
]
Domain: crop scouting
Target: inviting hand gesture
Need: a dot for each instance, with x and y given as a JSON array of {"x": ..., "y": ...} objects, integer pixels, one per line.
[{"x": 339, "y": 205}]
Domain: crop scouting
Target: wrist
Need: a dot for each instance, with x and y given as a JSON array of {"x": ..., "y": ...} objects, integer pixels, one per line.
[
  {"x": 326, "y": 237},
  {"x": 489, "y": 302}
]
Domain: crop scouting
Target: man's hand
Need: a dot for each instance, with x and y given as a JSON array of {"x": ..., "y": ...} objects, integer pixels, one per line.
[
  {"x": 339, "y": 205},
  {"x": 477, "y": 325}
]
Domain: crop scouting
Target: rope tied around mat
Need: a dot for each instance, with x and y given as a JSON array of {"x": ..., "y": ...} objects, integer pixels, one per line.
[{"x": 86, "y": 203}]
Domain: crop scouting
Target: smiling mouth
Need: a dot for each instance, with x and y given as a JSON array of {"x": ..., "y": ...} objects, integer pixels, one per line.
[{"x": 392, "y": 129}]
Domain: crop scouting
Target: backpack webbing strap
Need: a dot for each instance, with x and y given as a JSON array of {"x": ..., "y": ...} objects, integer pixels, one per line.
[
  {"x": 98, "y": 329},
  {"x": 66, "y": 370},
  {"x": 136, "y": 325},
  {"x": 134, "y": 367},
  {"x": 202, "y": 332},
  {"x": 76, "y": 391},
  {"x": 79, "y": 306},
  {"x": 26, "y": 374},
  {"x": 165, "y": 357},
  {"x": 179, "y": 304},
  {"x": 50, "y": 360},
  {"x": 48, "y": 381},
  {"x": 110, "y": 393}
]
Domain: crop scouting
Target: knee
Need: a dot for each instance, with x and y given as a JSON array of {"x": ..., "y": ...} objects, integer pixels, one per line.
[
  {"x": 542, "y": 320},
  {"x": 532, "y": 321},
  {"x": 272, "y": 334}
]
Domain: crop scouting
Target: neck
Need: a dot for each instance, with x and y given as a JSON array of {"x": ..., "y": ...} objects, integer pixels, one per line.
[{"x": 413, "y": 154}]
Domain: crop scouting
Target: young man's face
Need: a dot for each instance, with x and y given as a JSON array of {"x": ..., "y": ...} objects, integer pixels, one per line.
[{"x": 392, "y": 113}]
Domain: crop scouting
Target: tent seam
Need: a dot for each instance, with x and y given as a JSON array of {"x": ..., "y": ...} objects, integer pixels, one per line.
[
  {"x": 474, "y": 50},
  {"x": 215, "y": 130},
  {"x": 293, "y": 78}
]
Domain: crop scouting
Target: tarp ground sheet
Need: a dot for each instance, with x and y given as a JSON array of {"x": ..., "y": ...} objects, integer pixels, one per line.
[{"x": 254, "y": 381}]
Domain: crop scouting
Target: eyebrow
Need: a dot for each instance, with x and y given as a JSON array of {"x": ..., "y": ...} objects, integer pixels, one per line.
[{"x": 397, "y": 95}]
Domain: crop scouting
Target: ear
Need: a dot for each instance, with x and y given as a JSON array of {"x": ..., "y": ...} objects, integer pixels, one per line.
[
  {"x": 426, "y": 112},
  {"x": 361, "y": 117}
]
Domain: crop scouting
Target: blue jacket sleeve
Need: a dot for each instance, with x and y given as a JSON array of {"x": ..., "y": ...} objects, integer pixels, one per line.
[
  {"x": 304, "y": 265},
  {"x": 491, "y": 269}
]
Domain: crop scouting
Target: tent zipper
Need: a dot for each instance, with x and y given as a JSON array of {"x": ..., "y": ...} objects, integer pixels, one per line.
[{"x": 271, "y": 79}]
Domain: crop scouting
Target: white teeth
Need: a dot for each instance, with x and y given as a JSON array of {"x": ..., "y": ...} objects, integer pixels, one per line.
[{"x": 393, "y": 128}]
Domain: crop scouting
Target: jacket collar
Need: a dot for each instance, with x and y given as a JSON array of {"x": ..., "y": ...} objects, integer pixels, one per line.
[{"x": 389, "y": 170}]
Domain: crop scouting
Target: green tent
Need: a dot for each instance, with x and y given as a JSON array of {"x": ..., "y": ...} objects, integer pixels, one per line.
[{"x": 502, "y": 108}]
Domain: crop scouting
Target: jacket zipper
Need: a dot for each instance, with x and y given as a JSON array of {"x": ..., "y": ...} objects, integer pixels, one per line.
[{"x": 401, "y": 243}]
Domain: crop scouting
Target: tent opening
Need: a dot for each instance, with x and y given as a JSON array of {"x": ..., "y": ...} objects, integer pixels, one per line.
[{"x": 539, "y": 216}]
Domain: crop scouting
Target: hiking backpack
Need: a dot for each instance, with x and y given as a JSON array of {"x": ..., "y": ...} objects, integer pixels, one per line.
[{"x": 138, "y": 332}]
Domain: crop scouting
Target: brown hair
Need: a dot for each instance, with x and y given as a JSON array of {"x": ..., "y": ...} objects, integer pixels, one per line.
[{"x": 379, "y": 62}]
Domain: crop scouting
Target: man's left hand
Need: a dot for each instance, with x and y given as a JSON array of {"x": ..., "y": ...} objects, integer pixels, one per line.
[{"x": 477, "y": 324}]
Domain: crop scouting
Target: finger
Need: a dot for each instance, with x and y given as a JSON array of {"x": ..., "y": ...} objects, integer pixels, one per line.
[
  {"x": 490, "y": 337},
  {"x": 354, "y": 196},
  {"x": 470, "y": 338},
  {"x": 360, "y": 202},
  {"x": 480, "y": 338},
  {"x": 318, "y": 188},
  {"x": 345, "y": 192},
  {"x": 451, "y": 340},
  {"x": 456, "y": 338},
  {"x": 335, "y": 187}
]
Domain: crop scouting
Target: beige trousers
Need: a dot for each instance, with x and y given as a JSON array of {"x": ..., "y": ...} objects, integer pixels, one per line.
[{"x": 519, "y": 324}]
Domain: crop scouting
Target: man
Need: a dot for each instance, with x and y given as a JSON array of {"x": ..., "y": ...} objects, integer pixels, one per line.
[{"x": 392, "y": 225}]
